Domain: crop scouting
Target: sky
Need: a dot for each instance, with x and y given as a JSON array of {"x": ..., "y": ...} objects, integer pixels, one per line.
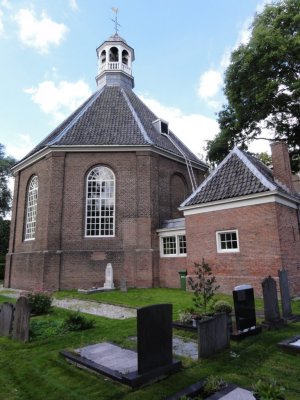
[{"x": 182, "y": 48}]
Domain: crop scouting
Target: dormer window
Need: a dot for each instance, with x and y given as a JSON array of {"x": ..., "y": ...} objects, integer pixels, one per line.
[{"x": 161, "y": 126}]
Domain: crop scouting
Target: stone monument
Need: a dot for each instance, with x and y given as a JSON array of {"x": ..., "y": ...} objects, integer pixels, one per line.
[
  {"x": 285, "y": 294},
  {"x": 109, "y": 277},
  {"x": 21, "y": 320},
  {"x": 271, "y": 308},
  {"x": 6, "y": 319}
]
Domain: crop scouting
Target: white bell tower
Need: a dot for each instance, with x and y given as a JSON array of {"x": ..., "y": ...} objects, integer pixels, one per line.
[{"x": 115, "y": 59}]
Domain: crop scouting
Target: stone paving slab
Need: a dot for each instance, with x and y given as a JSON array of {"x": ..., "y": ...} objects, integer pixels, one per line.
[
  {"x": 94, "y": 308},
  {"x": 110, "y": 356},
  {"x": 238, "y": 394}
]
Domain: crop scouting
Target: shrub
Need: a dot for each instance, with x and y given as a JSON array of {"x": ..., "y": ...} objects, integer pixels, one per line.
[
  {"x": 40, "y": 302},
  {"x": 213, "y": 384},
  {"x": 78, "y": 322},
  {"x": 41, "y": 329},
  {"x": 222, "y": 306},
  {"x": 203, "y": 285},
  {"x": 268, "y": 389}
]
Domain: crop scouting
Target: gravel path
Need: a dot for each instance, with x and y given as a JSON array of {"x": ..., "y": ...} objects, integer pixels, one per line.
[{"x": 86, "y": 306}]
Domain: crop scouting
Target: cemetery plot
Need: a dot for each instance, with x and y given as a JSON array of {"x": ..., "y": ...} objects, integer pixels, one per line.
[
  {"x": 153, "y": 359},
  {"x": 273, "y": 319}
]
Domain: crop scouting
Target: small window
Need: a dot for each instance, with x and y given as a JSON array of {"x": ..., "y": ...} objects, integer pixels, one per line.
[
  {"x": 173, "y": 246},
  {"x": 227, "y": 241},
  {"x": 161, "y": 126}
]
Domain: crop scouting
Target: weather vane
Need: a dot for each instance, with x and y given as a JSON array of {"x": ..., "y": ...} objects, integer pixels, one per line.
[{"x": 115, "y": 10}]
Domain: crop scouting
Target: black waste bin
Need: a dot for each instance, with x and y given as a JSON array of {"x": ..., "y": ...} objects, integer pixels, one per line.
[{"x": 182, "y": 275}]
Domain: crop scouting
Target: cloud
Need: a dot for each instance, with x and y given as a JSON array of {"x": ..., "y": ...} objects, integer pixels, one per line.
[
  {"x": 73, "y": 5},
  {"x": 20, "y": 147},
  {"x": 209, "y": 84},
  {"x": 39, "y": 33},
  {"x": 58, "y": 100},
  {"x": 193, "y": 129}
]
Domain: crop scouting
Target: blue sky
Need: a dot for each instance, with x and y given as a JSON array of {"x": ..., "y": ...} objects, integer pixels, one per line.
[{"x": 182, "y": 48}]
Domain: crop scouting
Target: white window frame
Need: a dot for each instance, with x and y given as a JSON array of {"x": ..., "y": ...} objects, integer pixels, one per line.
[
  {"x": 218, "y": 241},
  {"x": 173, "y": 234},
  {"x": 31, "y": 208},
  {"x": 99, "y": 198}
]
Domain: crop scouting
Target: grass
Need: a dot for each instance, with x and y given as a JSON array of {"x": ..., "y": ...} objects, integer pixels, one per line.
[{"x": 36, "y": 370}]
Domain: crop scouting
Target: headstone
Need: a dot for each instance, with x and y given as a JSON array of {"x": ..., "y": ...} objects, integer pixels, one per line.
[
  {"x": 154, "y": 332},
  {"x": 123, "y": 285},
  {"x": 271, "y": 308},
  {"x": 285, "y": 293},
  {"x": 109, "y": 277},
  {"x": 6, "y": 319},
  {"x": 213, "y": 335},
  {"x": 21, "y": 320},
  {"x": 244, "y": 307}
]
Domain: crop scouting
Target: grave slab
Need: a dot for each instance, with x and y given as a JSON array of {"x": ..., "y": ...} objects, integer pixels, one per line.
[
  {"x": 6, "y": 319},
  {"x": 292, "y": 344}
]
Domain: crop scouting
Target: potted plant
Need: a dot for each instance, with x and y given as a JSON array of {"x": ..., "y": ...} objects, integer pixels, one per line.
[{"x": 224, "y": 307}]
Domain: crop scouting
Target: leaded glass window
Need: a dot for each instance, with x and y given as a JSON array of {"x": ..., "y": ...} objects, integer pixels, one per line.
[
  {"x": 31, "y": 209},
  {"x": 100, "y": 202}
]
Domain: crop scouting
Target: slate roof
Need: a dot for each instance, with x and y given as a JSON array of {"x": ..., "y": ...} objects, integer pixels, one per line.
[
  {"x": 113, "y": 116},
  {"x": 239, "y": 174}
]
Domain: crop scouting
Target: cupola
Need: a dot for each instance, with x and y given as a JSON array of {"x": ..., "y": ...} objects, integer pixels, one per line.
[{"x": 115, "y": 59}]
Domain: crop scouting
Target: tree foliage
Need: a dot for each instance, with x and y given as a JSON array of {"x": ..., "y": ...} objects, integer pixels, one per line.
[
  {"x": 6, "y": 163},
  {"x": 4, "y": 236},
  {"x": 262, "y": 84}
]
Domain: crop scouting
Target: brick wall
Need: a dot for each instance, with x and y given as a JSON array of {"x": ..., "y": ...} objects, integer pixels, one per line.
[
  {"x": 61, "y": 256},
  {"x": 259, "y": 255}
]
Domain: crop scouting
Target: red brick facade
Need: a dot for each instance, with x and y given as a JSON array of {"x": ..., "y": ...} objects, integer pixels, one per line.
[
  {"x": 268, "y": 240},
  {"x": 61, "y": 257}
]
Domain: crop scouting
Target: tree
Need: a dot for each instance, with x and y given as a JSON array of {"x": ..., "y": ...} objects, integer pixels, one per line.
[
  {"x": 203, "y": 285},
  {"x": 6, "y": 163},
  {"x": 262, "y": 85}
]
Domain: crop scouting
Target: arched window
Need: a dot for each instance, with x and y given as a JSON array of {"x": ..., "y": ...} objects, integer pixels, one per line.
[
  {"x": 125, "y": 57},
  {"x": 100, "y": 202},
  {"x": 113, "y": 54},
  {"x": 103, "y": 57},
  {"x": 31, "y": 208}
]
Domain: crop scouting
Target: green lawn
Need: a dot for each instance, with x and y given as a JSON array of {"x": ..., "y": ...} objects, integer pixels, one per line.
[{"x": 36, "y": 370}]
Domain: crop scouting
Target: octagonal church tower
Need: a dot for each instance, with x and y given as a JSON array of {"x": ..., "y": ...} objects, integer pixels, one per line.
[{"x": 97, "y": 188}]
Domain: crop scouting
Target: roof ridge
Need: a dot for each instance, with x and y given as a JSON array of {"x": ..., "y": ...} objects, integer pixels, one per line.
[
  {"x": 136, "y": 118},
  {"x": 205, "y": 182},
  {"x": 253, "y": 169},
  {"x": 76, "y": 118}
]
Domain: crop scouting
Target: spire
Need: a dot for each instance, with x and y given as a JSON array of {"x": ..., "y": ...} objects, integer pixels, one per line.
[{"x": 115, "y": 59}]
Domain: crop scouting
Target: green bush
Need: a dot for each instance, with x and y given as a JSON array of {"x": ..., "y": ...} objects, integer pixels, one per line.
[
  {"x": 268, "y": 389},
  {"x": 213, "y": 384},
  {"x": 222, "y": 306},
  {"x": 43, "y": 329},
  {"x": 40, "y": 302},
  {"x": 78, "y": 322}
]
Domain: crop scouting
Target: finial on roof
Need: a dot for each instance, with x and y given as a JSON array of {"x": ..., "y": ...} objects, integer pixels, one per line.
[{"x": 115, "y": 20}]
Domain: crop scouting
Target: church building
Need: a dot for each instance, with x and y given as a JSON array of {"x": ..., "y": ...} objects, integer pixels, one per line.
[{"x": 97, "y": 188}]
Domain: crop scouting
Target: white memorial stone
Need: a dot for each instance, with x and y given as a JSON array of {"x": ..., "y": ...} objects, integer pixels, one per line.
[{"x": 109, "y": 277}]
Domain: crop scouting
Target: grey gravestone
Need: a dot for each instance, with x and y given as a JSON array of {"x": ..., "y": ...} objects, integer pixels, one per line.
[
  {"x": 123, "y": 285},
  {"x": 154, "y": 332},
  {"x": 244, "y": 307},
  {"x": 21, "y": 320},
  {"x": 213, "y": 335},
  {"x": 285, "y": 294},
  {"x": 271, "y": 308},
  {"x": 6, "y": 319}
]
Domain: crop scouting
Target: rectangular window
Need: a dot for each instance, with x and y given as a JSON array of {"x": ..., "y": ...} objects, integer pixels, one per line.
[
  {"x": 173, "y": 246},
  {"x": 227, "y": 241}
]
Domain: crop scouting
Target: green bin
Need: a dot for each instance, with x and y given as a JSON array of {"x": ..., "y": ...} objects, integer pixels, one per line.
[{"x": 182, "y": 275}]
